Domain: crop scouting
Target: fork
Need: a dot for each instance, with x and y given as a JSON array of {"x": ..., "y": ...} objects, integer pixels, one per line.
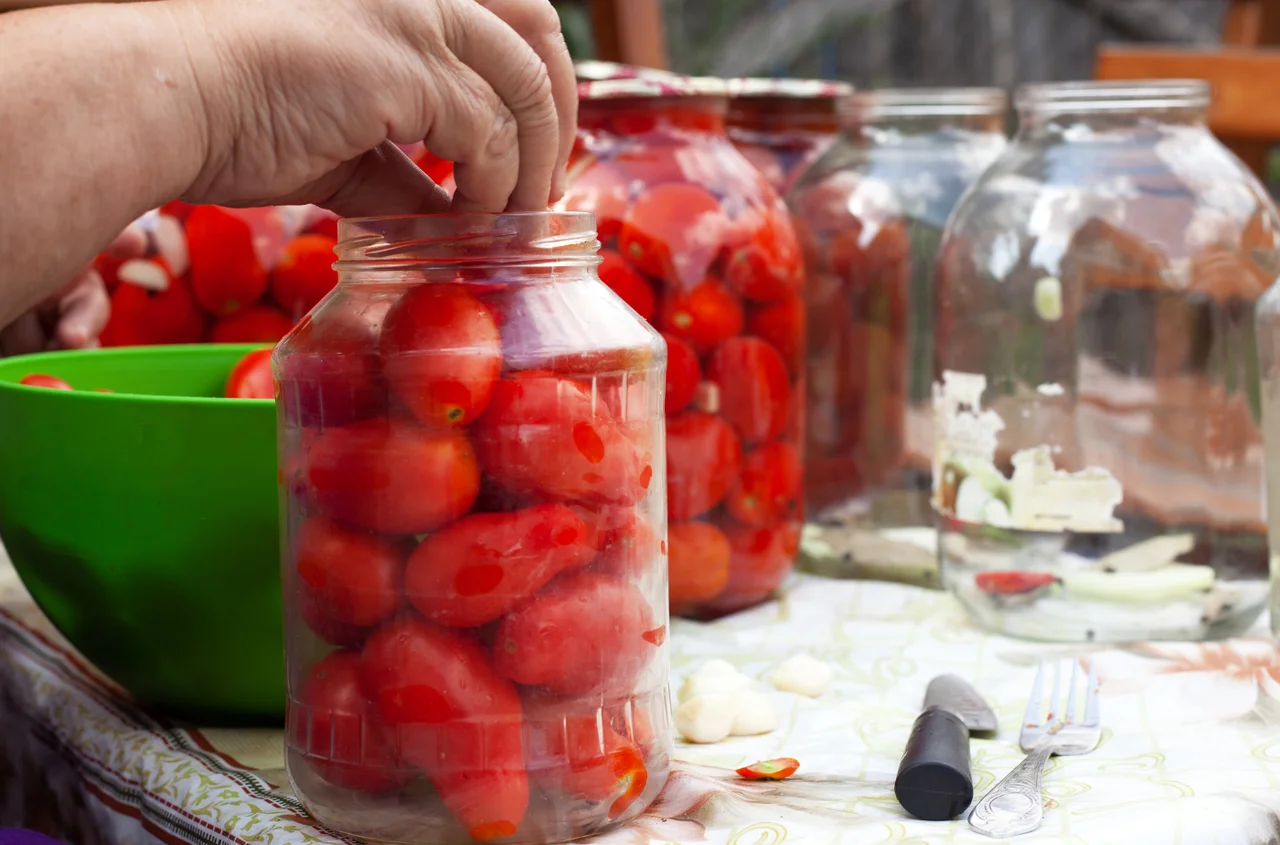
[{"x": 1015, "y": 804}]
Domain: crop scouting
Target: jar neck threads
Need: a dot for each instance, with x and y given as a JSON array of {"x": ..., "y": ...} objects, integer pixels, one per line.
[
  {"x": 451, "y": 243},
  {"x": 1046, "y": 106},
  {"x": 902, "y": 112}
]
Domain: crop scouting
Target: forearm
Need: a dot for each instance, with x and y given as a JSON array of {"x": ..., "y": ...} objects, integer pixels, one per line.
[
  {"x": 101, "y": 121},
  {"x": 14, "y": 5}
]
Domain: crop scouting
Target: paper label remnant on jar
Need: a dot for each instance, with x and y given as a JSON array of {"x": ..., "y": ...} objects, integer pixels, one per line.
[{"x": 1037, "y": 496}]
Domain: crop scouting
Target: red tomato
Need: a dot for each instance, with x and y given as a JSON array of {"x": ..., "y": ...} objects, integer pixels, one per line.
[
  {"x": 304, "y": 274},
  {"x": 225, "y": 273},
  {"x": 543, "y": 436},
  {"x": 761, "y": 559},
  {"x": 442, "y": 353},
  {"x": 704, "y": 316},
  {"x": 584, "y": 633},
  {"x": 456, "y": 719},
  {"x": 627, "y": 544},
  {"x": 326, "y": 226},
  {"x": 674, "y": 232},
  {"x": 357, "y": 577},
  {"x": 255, "y": 324},
  {"x": 698, "y": 561},
  {"x": 317, "y": 618},
  {"x": 333, "y": 725},
  {"x": 583, "y": 759},
  {"x": 42, "y": 380},
  {"x": 683, "y": 373},
  {"x": 333, "y": 374},
  {"x": 142, "y": 317},
  {"x": 605, "y": 192},
  {"x": 473, "y": 571},
  {"x": 106, "y": 265},
  {"x": 251, "y": 377},
  {"x": 392, "y": 476},
  {"x": 177, "y": 209},
  {"x": 626, "y": 283},
  {"x": 703, "y": 455},
  {"x": 647, "y": 164},
  {"x": 753, "y": 386},
  {"x": 763, "y": 261},
  {"x": 768, "y": 487},
  {"x": 781, "y": 325}
]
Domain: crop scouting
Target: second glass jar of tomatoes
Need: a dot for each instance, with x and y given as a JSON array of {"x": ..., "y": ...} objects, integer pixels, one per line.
[
  {"x": 783, "y": 125},
  {"x": 472, "y": 469},
  {"x": 697, "y": 242}
]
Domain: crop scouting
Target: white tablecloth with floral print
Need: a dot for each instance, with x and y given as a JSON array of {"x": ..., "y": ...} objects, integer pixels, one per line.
[{"x": 1190, "y": 752}]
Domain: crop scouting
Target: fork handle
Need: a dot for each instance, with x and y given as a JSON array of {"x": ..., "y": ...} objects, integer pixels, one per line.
[{"x": 1015, "y": 804}]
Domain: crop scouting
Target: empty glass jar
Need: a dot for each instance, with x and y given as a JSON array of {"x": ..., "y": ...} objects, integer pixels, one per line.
[
  {"x": 1098, "y": 461},
  {"x": 870, "y": 213},
  {"x": 471, "y": 453}
]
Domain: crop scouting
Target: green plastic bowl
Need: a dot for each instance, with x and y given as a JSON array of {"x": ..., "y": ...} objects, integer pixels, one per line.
[{"x": 144, "y": 523}]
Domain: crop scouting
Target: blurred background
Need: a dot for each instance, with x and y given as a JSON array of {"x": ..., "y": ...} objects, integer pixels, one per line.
[
  {"x": 882, "y": 43},
  {"x": 877, "y": 43}
]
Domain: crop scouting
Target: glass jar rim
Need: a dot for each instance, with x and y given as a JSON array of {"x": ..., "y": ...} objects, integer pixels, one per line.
[
  {"x": 652, "y": 87},
  {"x": 931, "y": 102},
  {"x": 1112, "y": 95},
  {"x": 747, "y": 88},
  {"x": 594, "y": 70},
  {"x": 470, "y": 239}
]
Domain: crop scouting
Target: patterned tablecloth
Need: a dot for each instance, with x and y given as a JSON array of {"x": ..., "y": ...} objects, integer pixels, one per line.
[{"x": 1190, "y": 754}]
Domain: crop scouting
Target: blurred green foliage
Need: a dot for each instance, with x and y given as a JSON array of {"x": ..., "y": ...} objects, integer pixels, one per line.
[{"x": 575, "y": 23}]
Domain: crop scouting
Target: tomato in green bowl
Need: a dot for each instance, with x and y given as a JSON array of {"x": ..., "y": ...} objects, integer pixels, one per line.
[{"x": 143, "y": 521}]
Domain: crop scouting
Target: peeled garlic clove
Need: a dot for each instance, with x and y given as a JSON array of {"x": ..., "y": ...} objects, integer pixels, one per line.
[
  {"x": 755, "y": 714},
  {"x": 802, "y": 674},
  {"x": 717, "y": 667},
  {"x": 707, "y": 718},
  {"x": 700, "y": 683}
]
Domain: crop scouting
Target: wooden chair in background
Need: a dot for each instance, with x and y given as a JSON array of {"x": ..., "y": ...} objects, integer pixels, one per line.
[
  {"x": 1244, "y": 72},
  {"x": 629, "y": 31}
]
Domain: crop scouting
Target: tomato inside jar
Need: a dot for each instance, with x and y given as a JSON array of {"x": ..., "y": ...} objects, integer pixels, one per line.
[
  {"x": 870, "y": 213},
  {"x": 701, "y": 244},
  {"x": 783, "y": 125},
  {"x": 473, "y": 469}
]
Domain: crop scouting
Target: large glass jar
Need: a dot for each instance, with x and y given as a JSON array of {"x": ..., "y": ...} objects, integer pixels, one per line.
[
  {"x": 471, "y": 453},
  {"x": 1098, "y": 464},
  {"x": 870, "y": 213},
  {"x": 783, "y": 125},
  {"x": 698, "y": 243}
]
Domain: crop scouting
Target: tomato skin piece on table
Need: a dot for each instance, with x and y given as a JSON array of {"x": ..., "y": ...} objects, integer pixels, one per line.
[{"x": 775, "y": 769}]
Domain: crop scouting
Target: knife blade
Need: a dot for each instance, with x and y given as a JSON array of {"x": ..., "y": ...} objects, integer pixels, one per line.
[{"x": 934, "y": 778}]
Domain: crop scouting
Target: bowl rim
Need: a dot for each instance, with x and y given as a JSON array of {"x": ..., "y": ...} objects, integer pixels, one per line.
[{"x": 178, "y": 350}]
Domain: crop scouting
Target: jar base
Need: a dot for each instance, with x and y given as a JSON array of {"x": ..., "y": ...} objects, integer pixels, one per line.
[{"x": 1030, "y": 587}]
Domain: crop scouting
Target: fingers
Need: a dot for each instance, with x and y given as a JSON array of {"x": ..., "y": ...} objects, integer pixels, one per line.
[
  {"x": 83, "y": 311},
  {"x": 517, "y": 75},
  {"x": 537, "y": 22},
  {"x": 383, "y": 181}
]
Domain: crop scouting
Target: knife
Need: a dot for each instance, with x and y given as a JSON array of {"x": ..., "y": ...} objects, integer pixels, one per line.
[{"x": 934, "y": 780}]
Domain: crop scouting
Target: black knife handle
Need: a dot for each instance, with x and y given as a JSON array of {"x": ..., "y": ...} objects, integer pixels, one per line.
[{"x": 934, "y": 780}]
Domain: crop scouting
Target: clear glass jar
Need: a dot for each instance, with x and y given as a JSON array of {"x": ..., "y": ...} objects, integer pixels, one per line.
[
  {"x": 472, "y": 462},
  {"x": 870, "y": 213},
  {"x": 1098, "y": 463},
  {"x": 697, "y": 243},
  {"x": 783, "y": 125}
]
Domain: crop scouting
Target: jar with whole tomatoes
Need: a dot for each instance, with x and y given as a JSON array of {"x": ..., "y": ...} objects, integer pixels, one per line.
[
  {"x": 699, "y": 245},
  {"x": 783, "y": 125},
  {"x": 472, "y": 469},
  {"x": 870, "y": 214}
]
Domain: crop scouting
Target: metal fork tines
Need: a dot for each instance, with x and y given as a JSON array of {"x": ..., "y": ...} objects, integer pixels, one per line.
[{"x": 1015, "y": 804}]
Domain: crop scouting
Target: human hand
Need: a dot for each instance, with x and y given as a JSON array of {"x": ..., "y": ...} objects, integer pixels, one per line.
[
  {"x": 73, "y": 317},
  {"x": 304, "y": 101}
]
